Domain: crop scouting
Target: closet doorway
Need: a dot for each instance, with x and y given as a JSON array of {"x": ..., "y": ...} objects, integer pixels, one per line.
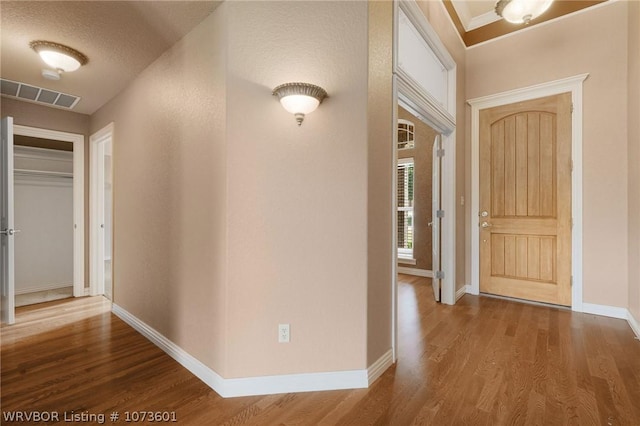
[
  {"x": 40, "y": 166},
  {"x": 43, "y": 208}
]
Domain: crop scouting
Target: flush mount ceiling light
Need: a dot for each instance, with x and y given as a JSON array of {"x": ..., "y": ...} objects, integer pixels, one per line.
[
  {"x": 300, "y": 98},
  {"x": 521, "y": 11},
  {"x": 59, "y": 56}
]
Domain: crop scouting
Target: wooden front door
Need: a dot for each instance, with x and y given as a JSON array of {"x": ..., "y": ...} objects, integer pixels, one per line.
[{"x": 525, "y": 200}]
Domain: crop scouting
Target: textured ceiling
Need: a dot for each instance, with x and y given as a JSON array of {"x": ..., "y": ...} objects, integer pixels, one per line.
[{"x": 120, "y": 38}]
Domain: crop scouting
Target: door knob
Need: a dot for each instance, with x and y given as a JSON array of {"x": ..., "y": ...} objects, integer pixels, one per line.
[
  {"x": 485, "y": 224},
  {"x": 484, "y": 213}
]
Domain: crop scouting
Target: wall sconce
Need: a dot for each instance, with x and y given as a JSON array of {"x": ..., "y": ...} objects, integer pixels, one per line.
[{"x": 300, "y": 98}]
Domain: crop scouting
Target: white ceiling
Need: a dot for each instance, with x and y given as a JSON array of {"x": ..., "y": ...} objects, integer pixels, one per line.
[
  {"x": 475, "y": 13},
  {"x": 121, "y": 38}
]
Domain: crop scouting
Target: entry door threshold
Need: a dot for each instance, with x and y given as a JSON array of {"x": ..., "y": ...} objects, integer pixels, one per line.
[{"x": 525, "y": 301}]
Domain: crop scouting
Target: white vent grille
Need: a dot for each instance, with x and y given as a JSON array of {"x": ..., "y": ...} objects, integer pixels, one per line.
[{"x": 39, "y": 95}]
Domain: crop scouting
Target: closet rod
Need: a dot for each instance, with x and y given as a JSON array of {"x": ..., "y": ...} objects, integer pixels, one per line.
[{"x": 43, "y": 173}]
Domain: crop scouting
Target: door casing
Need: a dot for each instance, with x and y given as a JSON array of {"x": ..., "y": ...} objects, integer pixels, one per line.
[
  {"x": 96, "y": 282},
  {"x": 419, "y": 102},
  {"x": 574, "y": 86},
  {"x": 7, "y": 252},
  {"x": 78, "y": 195}
]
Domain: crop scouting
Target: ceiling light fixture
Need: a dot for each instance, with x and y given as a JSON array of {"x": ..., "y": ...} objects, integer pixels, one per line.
[
  {"x": 521, "y": 11},
  {"x": 300, "y": 98},
  {"x": 59, "y": 56},
  {"x": 50, "y": 74}
]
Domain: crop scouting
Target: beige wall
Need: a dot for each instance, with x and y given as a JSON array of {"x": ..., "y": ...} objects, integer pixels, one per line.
[
  {"x": 633, "y": 119},
  {"x": 213, "y": 175},
  {"x": 380, "y": 164},
  {"x": 297, "y": 196},
  {"x": 170, "y": 213},
  {"x": 591, "y": 42},
  {"x": 439, "y": 19},
  {"x": 231, "y": 219},
  {"x": 43, "y": 117},
  {"x": 422, "y": 155}
]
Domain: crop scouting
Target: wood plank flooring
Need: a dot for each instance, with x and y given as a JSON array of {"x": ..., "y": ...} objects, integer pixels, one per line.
[{"x": 484, "y": 361}]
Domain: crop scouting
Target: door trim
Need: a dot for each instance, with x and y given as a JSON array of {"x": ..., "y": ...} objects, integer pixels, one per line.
[
  {"x": 418, "y": 101},
  {"x": 78, "y": 195},
  {"x": 572, "y": 85},
  {"x": 96, "y": 287}
]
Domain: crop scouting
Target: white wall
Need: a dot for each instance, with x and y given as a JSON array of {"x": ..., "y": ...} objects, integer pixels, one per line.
[{"x": 44, "y": 215}]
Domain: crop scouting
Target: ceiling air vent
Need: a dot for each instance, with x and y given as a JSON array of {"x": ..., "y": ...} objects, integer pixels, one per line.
[{"x": 39, "y": 95}]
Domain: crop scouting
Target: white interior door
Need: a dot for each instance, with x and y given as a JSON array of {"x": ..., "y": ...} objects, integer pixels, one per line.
[
  {"x": 104, "y": 175},
  {"x": 102, "y": 213},
  {"x": 435, "y": 220},
  {"x": 6, "y": 223}
]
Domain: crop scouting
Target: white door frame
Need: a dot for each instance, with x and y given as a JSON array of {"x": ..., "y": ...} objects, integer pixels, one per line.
[
  {"x": 424, "y": 106},
  {"x": 78, "y": 195},
  {"x": 565, "y": 85},
  {"x": 8, "y": 303},
  {"x": 96, "y": 281}
]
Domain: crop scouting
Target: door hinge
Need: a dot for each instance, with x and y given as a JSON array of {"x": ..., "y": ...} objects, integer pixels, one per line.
[
  {"x": 571, "y": 280},
  {"x": 440, "y": 152},
  {"x": 439, "y": 275},
  {"x": 440, "y": 214},
  {"x": 571, "y": 164},
  {"x": 572, "y": 107}
]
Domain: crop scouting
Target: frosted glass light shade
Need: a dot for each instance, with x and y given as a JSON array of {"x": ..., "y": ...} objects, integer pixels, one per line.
[
  {"x": 59, "y": 61},
  {"x": 521, "y": 11},
  {"x": 302, "y": 104},
  {"x": 300, "y": 98},
  {"x": 59, "y": 56}
]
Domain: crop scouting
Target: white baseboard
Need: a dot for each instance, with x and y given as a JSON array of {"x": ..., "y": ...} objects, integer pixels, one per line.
[
  {"x": 201, "y": 371},
  {"x": 287, "y": 383},
  {"x": 247, "y": 386},
  {"x": 613, "y": 312},
  {"x": 469, "y": 290},
  {"x": 41, "y": 288},
  {"x": 604, "y": 310},
  {"x": 415, "y": 272},
  {"x": 461, "y": 292},
  {"x": 376, "y": 369},
  {"x": 634, "y": 323}
]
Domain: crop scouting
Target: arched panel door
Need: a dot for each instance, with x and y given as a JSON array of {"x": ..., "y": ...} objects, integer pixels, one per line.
[{"x": 525, "y": 200}]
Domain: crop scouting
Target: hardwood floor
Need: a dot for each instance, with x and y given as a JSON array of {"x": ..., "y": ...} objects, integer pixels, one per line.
[
  {"x": 484, "y": 361},
  {"x": 43, "y": 296}
]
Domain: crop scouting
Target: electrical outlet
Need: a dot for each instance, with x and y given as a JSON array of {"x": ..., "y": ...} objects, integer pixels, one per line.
[{"x": 283, "y": 333}]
